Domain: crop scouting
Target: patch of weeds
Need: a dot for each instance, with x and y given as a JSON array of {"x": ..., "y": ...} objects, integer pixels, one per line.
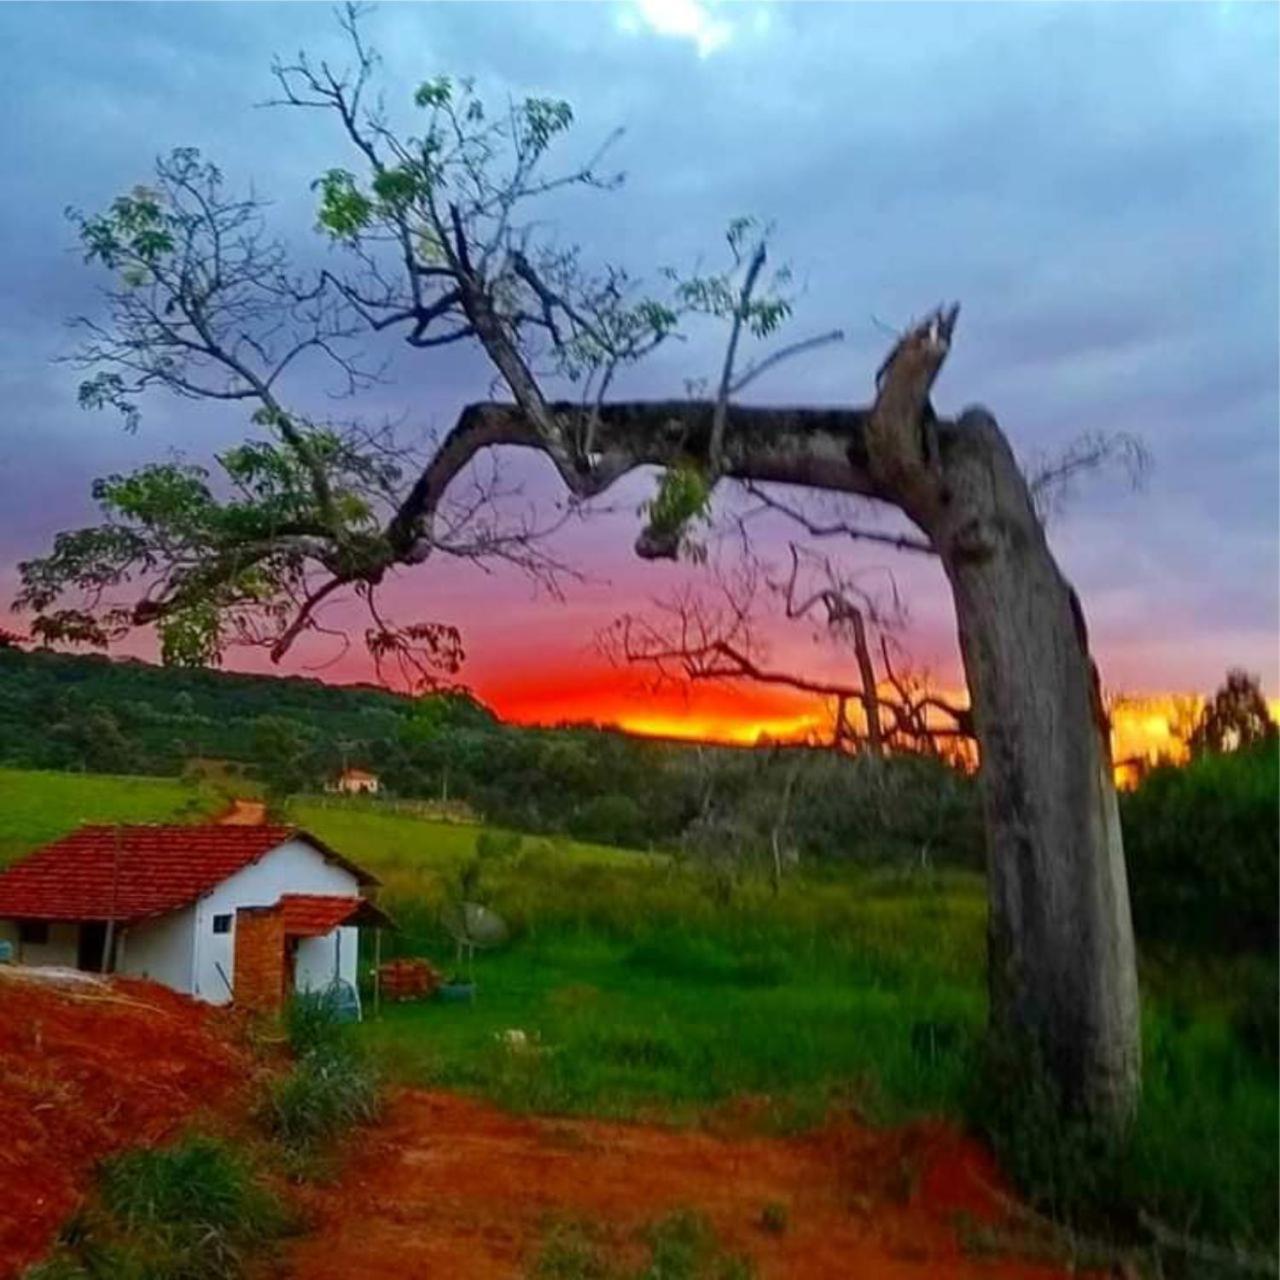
[
  {"x": 573, "y": 1251},
  {"x": 325, "y": 1093},
  {"x": 332, "y": 1086},
  {"x": 496, "y": 845},
  {"x": 636, "y": 1048},
  {"x": 310, "y": 1026},
  {"x": 58, "y": 1267},
  {"x": 933, "y": 1039},
  {"x": 774, "y": 1218},
  {"x": 681, "y": 1246},
  {"x": 193, "y": 1211},
  {"x": 684, "y": 1247}
]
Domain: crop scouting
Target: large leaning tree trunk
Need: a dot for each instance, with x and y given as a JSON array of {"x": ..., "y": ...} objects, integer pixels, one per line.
[{"x": 1061, "y": 965}]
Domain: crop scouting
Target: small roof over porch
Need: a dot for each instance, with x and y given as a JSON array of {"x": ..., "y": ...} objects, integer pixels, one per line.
[{"x": 312, "y": 915}]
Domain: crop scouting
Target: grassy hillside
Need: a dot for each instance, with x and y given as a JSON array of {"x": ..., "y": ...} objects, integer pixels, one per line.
[{"x": 36, "y": 807}]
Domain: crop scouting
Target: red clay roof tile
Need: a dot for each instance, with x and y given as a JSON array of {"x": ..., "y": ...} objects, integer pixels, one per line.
[
  {"x": 152, "y": 870},
  {"x": 311, "y": 915}
]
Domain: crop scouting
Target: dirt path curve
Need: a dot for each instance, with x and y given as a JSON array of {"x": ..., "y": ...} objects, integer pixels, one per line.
[
  {"x": 243, "y": 813},
  {"x": 447, "y": 1186}
]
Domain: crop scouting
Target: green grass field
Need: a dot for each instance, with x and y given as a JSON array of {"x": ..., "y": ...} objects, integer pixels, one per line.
[
  {"x": 36, "y": 807},
  {"x": 650, "y": 989}
]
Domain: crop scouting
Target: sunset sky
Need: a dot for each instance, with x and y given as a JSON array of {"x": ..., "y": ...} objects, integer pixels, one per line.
[{"x": 1096, "y": 183}]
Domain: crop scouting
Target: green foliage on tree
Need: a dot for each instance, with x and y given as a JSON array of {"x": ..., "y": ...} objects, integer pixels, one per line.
[{"x": 438, "y": 239}]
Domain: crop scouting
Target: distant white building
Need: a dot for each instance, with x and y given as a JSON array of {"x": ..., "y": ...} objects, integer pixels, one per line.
[
  {"x": 250, "y": 913},
  {"x": 355, "y": 782}
]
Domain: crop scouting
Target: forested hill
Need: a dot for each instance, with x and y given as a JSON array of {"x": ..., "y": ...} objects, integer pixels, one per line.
[
  {"x": 60, "y": 711},
  {"x": 63, "y": 711}
]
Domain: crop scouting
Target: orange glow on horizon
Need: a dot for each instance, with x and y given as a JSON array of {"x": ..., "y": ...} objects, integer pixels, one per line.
[
  {"x": 1146, "y": 728},
  {"x": 801, "y": 728}
]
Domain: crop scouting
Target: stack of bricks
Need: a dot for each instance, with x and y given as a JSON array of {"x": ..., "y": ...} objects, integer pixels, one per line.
[
  {"x": 259, "y": 964},
  {"x": 408, "y": 979}
]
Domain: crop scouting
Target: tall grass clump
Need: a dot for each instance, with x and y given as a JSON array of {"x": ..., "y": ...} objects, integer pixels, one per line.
[
  {"x": 1191, "y": 1181},
  {"x": 332, "y": 1085},
  {"x": 681, "y": 1246},
  {"x": 193, "y": 1211}
]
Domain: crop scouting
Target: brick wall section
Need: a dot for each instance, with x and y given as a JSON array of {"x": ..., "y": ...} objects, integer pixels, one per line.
[{"x": 259, "y": 967}]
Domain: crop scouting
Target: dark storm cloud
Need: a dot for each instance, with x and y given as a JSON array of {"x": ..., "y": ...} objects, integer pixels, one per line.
[{"x": 1097, "y": 184}]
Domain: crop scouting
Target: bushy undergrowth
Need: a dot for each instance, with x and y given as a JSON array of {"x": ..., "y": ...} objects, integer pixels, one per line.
[
  {"x": 199, "y": 1210},
  {"x": 1203, "y": 846},
  {"x": 1197, "y": 1166},
  {"x": 322, "y": 1096},
  {"x": 332, "y": 1085},
  {"x": 193, "y": 1211}
]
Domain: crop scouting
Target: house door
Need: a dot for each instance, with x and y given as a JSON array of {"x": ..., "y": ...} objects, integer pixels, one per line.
[
  {"x": 290, "y": 965},
  {"x": 91, "y": 946}
]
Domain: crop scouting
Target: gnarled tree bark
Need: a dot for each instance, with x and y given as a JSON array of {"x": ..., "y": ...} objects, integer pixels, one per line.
[{"x": 1061, "y": 965}]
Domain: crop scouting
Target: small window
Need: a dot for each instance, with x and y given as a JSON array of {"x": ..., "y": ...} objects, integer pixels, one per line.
[
  {"x": 34, "y": 933},
  {"x": 222, "y": 924}
]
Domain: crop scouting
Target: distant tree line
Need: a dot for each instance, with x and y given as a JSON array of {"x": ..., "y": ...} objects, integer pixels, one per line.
[{"x": 60, "y": 711}]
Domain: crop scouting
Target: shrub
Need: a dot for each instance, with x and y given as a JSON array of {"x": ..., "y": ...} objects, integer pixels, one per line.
[
  {"x": 324, "y": 1094},
  {"x": 1204, "y": 853},
  {"x": 682, "y": 1246},
  {"x": 192, "y": 1211},
  {"x": 200, "y": 1182},
  {"x": 610, "y": 819},
  {"x": 332, "y": 1085},
  {"x": 685, "y": 1248},
  {"x": 495, "y": 845},
  {"x": 310, "y": 1025}
]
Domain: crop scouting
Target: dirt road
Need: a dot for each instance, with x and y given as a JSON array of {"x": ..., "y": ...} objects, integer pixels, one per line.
[
  {"x": 243, "y": 813},
  {"x": 452, "y": 1187}
]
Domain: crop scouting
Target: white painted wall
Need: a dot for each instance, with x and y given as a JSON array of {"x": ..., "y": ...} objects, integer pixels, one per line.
[
  {"x": 294, "y": 867},
  {"x": 62, "y": 948},
  {"x": 159, "y": 949},
  {"x": 321, "y": 959}
]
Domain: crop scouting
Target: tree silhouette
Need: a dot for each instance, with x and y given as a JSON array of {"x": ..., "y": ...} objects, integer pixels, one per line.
[{"x": 1234, "y": 719}]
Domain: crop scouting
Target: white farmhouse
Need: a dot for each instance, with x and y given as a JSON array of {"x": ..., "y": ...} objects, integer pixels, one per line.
[
  {"x": 355, "y": 782},
  {"x": 250, "y": 913}
]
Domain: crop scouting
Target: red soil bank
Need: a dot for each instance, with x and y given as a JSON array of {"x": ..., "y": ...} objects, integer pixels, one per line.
[
  {"x": 85, "y": 1071},
  {"x": 451, "y": 1187}
]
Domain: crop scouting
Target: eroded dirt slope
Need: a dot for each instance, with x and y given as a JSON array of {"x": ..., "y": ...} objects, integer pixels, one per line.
[
  {"x": 448, "y": 1186},
  {"x": 88, "y": 1069}
]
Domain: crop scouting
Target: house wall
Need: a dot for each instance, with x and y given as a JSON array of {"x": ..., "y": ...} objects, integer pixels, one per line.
[
  {"x": 61, "y": 949},
  {"x": 160, "y": 949},
  {"x": 294, "y": 867},
  {"x": 320, "y": 958}
]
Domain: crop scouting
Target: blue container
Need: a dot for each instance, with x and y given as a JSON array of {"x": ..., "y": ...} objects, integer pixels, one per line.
[{"x": 456, "y": 992}]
